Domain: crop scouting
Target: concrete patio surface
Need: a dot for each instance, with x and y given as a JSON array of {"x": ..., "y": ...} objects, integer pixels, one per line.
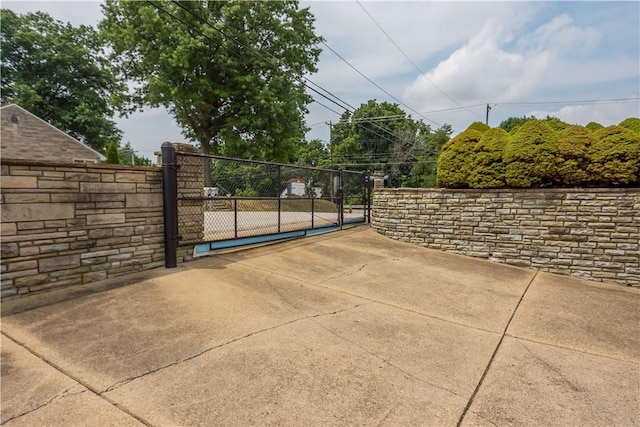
[{"x": 347, "y": 328}]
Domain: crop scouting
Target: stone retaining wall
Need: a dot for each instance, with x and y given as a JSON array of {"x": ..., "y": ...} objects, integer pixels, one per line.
[
  {"x": 589, "y": 233},
  {"x": 67, "y": 224}
]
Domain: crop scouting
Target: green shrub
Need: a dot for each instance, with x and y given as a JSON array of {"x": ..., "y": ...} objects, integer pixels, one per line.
[
  {"x": 572, "y": 158},
  {"x": 614, "y": 156},
  {"x": 632, "y": 123},
  {"x": 593, "y": 126},
  {"x": 540, "y": 153},
  {"x": 556, "y": 124},
  {"x": 112, "y": 154},
  {"x": 529, "y": 155},
  {"x": 457, "y": 157},
  {"x": 488, "y": 169}
]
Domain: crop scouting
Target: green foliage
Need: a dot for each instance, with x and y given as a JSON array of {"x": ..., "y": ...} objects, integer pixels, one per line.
[
  {"x": 571, "y": 151},
  {"x": 487, "y": 169},
  {"x": 127, "y": 154},
  {"x": 232, "y": 100},
  {"x": 632, "y": 123},
  {"x": 542, "y": 153},
  {"x": 312, "y": 153},
  {"x": 112, "y": 154},
  {"x": 381, "y": 136},
  {"x": 58, "y": 72},
  {"x": 513, "y": 122},
  {"x": 614, "y": 157},
  {"x": 593, "y": 126},
  {"x": 479, "y": 126},
  {"x": 529, "y": 155},
  {"x": 457, "y": 157}
]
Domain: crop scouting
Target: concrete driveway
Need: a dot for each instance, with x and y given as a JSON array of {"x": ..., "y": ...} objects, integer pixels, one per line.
[{"x": 348, "y": 328}]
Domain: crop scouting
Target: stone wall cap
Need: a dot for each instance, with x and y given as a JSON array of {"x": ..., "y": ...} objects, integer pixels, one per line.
[{"x": 79, "y": 165}]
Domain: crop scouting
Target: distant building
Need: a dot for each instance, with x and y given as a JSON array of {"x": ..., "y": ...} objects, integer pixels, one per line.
[{"x": 25, "y": 136}]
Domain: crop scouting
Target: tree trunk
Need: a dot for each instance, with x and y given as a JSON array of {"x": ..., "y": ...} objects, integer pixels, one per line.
[{"x": 206, "y": 164}]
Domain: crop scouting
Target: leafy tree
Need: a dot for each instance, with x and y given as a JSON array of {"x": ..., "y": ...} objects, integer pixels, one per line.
[
  {"x": 382, "y": 136},
  {"x": 126, "y": 153},
  {"x": 58, "y": 72},
  {"x": 211, "y": 64},
  {"x": 513, "y": 122},
  {"x": 112, "y": 154},
  {"x": 312, "y": 153}
]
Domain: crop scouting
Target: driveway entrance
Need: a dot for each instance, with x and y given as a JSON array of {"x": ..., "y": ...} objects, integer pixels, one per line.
[{"x": 346, "y": 328}]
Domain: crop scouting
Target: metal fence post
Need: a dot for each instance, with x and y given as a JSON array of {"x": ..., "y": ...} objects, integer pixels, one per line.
[
  {"x": 170, "y": 202},
  {"x": 341, "y": 197}
]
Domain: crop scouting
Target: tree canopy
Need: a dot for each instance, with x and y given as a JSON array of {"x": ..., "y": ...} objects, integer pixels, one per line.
[
  {"x": 229, "y": 72},
  {"x": 383, "y": 136},
  {"x": 58, "y": 72}
]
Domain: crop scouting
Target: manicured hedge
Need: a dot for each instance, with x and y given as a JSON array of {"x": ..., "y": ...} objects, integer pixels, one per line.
[{"x": 542, "y": 153}]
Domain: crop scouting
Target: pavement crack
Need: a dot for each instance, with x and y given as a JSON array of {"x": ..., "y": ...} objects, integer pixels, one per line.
[
  {"x": 193, "y": 356},
  {"x": 553, "y": 369},
  {"x": 384, "y": 418},
  {"x": 68, "y": 392},
  {"x": 342, "y": 274},
  {"x": 495, "y": 352}
]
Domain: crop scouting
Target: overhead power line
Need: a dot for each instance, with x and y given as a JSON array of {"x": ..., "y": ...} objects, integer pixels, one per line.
[
  {"x": 377, "y": 85},
  {"x": 409, "y": 59},
  {"x": 581, "y": 102},
  {"x": 259, "y": 54}
]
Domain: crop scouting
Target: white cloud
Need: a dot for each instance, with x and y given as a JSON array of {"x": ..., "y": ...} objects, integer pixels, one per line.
[
  {"x": 604, "y": 113},
  {"x": 560, "y": 36},
  {"x": 481, "y": 70}
]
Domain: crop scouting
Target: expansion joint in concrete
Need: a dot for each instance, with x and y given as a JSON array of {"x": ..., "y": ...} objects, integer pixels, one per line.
[{"x": 495, "y": 351}]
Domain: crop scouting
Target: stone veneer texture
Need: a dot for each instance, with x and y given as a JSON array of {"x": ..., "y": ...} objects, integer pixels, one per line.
[
  {"x": 68, "y": 224},
  {"x": 592, "y": 234}
]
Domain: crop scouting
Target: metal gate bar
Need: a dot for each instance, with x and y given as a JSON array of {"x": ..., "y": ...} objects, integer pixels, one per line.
[{"x": 215, "y": 202}]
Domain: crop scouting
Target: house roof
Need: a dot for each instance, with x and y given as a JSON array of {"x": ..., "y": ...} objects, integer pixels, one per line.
[{"x": 26, "y": 136}]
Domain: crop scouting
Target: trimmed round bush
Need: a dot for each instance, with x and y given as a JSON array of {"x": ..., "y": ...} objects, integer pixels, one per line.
[
  {"x": 457, "y": 158},
  {"x": 529, "y": 155},
  {"x": 614, "y": 156},
  {"x": 488, "y": 169},
  {"x": 572, "y": 157},
  {"x": 632, "y": 123}
]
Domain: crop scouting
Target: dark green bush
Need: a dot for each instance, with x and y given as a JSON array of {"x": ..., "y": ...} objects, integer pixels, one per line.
[
  {"x": 614, "y": 157},
  {"x": 542, "y": 153},
  {"x": 632, "y": 123},
  {"x": 529, "y": 155},
  {"x": 457, "y": 158},
  {"x": 571, "y": 153},
  {"x": 593, "y": 126},
  {"x": 488, "y": 169}
]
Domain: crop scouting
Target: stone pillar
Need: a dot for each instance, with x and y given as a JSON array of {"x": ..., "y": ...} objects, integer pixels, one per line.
[
  {"x": 378, "y": 180},
  {"x": 190, "y": 184}
]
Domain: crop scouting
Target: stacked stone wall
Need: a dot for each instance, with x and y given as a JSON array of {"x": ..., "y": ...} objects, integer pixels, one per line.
[
  {"x": 591, "y": 233},
  {"x": 67, "y": 224}
]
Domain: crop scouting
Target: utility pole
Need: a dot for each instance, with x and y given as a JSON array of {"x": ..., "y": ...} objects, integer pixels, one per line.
[
  {"x": 330, "y": 142},
  {"x": 487, "y": 119}
]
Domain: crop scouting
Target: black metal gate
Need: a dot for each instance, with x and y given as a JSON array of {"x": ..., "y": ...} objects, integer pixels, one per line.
[{"x": 214, "y": 202}]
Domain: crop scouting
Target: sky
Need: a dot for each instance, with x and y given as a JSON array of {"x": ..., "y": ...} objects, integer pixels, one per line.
[{"x": 443, "y": 62}]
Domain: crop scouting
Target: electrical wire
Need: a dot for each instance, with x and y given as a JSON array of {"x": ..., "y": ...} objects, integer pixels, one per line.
[
  {"x": 413, "y": 63},
  {"x": 303, "y": 80},
  {"x": 377, "y": 85}
]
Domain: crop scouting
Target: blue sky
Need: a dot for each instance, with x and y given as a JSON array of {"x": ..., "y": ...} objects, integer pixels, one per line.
[{"x": 520, "y": 57}]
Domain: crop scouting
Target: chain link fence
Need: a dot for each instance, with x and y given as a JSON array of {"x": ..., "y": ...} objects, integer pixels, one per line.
[{"x": 222, "y": 198}]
